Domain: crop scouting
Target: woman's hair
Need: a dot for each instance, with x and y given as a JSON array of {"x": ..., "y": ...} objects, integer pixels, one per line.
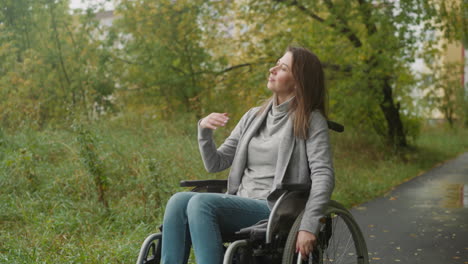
[{"x": 310, "y": 92}]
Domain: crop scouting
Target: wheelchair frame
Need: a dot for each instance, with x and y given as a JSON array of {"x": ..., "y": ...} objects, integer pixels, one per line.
[{"x": 265, "y": 240}]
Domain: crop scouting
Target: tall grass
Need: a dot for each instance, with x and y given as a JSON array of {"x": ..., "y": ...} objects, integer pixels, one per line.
[{"x": 53, "y": 183}]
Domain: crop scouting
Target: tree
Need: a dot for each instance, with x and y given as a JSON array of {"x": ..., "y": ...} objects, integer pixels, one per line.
[
  {"x": 454, "y": 26},
  {"x": 53, "y": 67},
  {"x": 446, "y": 92},
  {"x": 162, "y": 59},
  {"x": 366, "y": 47},
  {"x": 381, "y": 33}
]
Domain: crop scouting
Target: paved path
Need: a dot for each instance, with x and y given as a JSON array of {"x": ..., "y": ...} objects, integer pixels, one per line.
[{"x": 424, "y": 220}]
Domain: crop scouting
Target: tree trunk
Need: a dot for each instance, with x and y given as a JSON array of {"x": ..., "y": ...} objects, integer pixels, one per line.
[{"x": 395, "y": 132}]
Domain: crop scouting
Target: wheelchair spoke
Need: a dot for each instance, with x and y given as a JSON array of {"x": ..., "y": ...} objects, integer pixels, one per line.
[
  {"x": 341, "y": 248},
  {"x": 340, "y": 240}
]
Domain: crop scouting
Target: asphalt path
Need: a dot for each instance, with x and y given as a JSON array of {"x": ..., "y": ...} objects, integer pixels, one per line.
[{"x": 424, "y": 220}]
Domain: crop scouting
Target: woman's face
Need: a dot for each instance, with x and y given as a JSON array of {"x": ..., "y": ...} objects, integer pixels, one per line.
[{"x": 281, "y": 80}]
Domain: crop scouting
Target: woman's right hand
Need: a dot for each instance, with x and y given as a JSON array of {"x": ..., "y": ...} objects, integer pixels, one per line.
[{"x": 214, "y": 120}]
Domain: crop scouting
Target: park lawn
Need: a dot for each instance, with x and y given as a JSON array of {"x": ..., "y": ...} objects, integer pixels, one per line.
[{"x": 52, "y": 211}]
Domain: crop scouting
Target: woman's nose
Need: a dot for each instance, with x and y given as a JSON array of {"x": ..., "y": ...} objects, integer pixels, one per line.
[{"x": 273, "y": 70}]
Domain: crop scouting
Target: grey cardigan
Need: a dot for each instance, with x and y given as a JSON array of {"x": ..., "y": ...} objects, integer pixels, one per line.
[{"x": 299, "y": 161}]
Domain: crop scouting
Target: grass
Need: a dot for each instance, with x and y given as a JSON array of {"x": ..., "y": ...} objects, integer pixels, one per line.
[
  {"x": 364, "y": 172},
  {"x": 51, "y": 210}
]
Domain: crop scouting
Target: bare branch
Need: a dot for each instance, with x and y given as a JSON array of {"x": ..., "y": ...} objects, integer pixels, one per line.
[
  {"x": 343, "y": 27},
  {"x": 366, "y": 12},
  {"x": 235, "y": 67},
  {"x": 307, "y": 11},
  {"x": 302, "y": 8}
]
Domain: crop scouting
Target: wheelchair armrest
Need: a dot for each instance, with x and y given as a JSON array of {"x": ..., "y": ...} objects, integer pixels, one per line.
[
  {"x": 293, "y": 187},
  {"x": 212, "y": 186},
  {"x": 204, "y": 183},
  {"x": 335, "y": 126}
]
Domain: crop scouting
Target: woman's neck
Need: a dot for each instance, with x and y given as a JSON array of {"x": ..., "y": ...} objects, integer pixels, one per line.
[{"x": 282, "y": 98}]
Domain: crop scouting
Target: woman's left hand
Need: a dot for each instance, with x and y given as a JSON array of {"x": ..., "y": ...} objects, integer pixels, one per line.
[{"x": 305, "y": 243}]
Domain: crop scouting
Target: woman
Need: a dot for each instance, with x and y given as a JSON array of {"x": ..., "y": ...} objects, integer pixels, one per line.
[{"x": 285, "y": 140}]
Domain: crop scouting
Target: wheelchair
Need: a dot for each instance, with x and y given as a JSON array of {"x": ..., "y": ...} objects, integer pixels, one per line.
[{"x": 273, "y": 240}]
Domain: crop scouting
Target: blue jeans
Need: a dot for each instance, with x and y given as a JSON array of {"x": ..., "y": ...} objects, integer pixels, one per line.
[{"x": 201, "y": 219}]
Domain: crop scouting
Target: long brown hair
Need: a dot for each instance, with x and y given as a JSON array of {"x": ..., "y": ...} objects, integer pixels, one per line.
[{"x": 310, "y": 92}]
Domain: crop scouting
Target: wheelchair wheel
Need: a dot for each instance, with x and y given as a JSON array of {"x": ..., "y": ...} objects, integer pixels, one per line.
[
  {"x": 150, "y": 252},
  {"x": 340, "y": 240}
]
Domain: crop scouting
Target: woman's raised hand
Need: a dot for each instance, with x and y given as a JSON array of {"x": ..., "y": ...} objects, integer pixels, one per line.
[{"x": 214, "y": 120}]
